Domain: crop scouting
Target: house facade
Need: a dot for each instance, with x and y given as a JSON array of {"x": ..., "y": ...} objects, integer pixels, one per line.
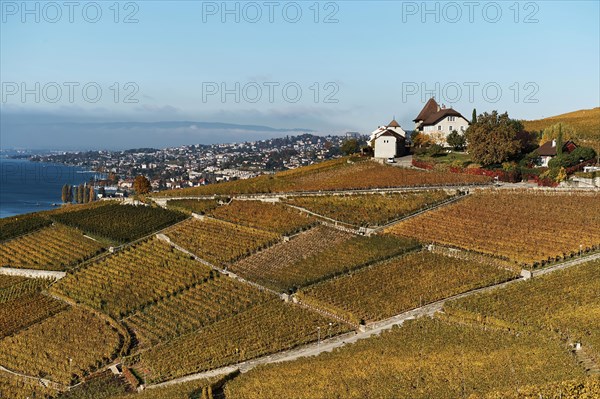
[
  {"x": 388, "y": 141},
  {"x": 389, "y": 144},
  {"x": 438, "y": 122},
  {"x": 392, "y": 126},
  {"x": 549, "y": 149}
]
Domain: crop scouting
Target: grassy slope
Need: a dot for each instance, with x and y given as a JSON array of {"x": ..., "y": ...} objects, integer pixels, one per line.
[{"x": 585, "y": 121}]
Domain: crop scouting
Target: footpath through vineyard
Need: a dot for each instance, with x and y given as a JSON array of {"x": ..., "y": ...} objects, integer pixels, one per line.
[{"x": 327, "y": 345}]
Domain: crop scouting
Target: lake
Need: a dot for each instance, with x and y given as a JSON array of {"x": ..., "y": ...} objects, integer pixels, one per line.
[{"x": 27, "y": 186}]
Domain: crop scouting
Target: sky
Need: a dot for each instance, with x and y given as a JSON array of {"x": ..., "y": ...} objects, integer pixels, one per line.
[{"x": 69, "y": 68}]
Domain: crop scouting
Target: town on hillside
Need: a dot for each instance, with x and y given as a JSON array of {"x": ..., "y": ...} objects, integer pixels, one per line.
[{"x": 489, "y": 144}]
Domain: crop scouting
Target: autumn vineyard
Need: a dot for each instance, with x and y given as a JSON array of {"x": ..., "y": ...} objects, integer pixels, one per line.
[{"x": 343, "y": 279}]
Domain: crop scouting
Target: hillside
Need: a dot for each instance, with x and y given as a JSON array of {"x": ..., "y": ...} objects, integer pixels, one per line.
[
  {"x": 188, "y": 291},
  {"x": 586, "y": 122},
  {"x": 347, "y": 173}
]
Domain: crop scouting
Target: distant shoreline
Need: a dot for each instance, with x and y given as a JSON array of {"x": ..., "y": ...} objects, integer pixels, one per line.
[{"x": 31, "y": 186}]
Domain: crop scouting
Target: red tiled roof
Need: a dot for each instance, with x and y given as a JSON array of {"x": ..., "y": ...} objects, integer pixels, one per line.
[
  {"x": 434, "y": 118},
  {"x": 549, "y": 150}
]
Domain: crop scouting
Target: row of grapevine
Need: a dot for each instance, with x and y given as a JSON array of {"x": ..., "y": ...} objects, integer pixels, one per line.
[
  {"x": 267, "y": 266},
  {"x": 367, "y": 175},
  {"x": 7, "y": 281},
  {"x": 371, "y": 209},
  {"x": 401, "y": 284},
  {"x": 22, "y": 224},
  {"x": 580, "y": 388},
  {"x": 279, "y": 182},
  {"x": 220, "y": 242},
  {"x": 140, "y": 274},
  {"x": 62, "y": 348},
  {"x": 27, "y": 310},
  {"x": 51, "y": 248},
  {"x": 68, "y": 208},
  {"x": 339, "y": 174},
  {"x": 13, "y": 287},
  {"x": 120, "y": 223},
  {"x": 22, "y": 303},
  {"x": 531, "y": 228},
  {"x": 423, "y": 359},
  {"x": 13, "y": 387},
  {"x": 272, "y": 217},
  {"x": 286, "y": 267},
  {"x": 199, "y": 206},
  {"x": 103, "y": 385},
  {"x": 265, "y": 328},
  {"x": 200, "y": 305},
  {"x": 199, "y": 389},
  {"x": 566, "y": 301}
]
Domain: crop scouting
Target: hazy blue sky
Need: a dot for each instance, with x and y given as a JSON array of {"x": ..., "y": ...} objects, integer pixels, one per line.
[{"x": 367, "y": 61}]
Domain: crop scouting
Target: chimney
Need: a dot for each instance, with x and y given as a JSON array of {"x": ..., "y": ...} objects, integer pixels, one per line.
[{"x": 553, "y": 143}]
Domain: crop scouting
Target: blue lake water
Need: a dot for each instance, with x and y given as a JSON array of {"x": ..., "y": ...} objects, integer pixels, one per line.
[{"x": 34, "y": 186}]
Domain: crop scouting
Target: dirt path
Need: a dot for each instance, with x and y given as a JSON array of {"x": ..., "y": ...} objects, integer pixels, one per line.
[
  {"x": 42, "y": 381},
  {"x": 564, "y": 265},
  {"x": 587, "y": 361},
  {"x": 327, "y": 345},
  {"x": 373, "y": 329},
  {"x": 32, "y": 273}
]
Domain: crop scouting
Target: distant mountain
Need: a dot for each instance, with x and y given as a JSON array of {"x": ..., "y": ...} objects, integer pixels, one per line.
[
  {"x": 185, "y": 125},
  {"x": 51, "y": 133}
]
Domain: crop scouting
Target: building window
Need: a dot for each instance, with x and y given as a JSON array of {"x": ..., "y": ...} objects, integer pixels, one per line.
[
  {"x": 451, "y": 119},
  {"x": 450, "y": 128},
  {"x": 439, "y": 127}
]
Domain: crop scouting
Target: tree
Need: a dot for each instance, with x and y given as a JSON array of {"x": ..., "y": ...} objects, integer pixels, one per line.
[
  {"x": 474, "y": 117},
  {"x": 559, "y": 141},
  {"x": 91, "y": 194},
  {"x": 421, "y": 140},
  {"x": 141, "y": 185},
  {"x": 529, "y": 141},
  {"x": 86, "y": 195},
  {"x": 493, "y": 139},
  {"x": 456, "y": 141},
  {"x": 65, "y": 194},
  {"x": 80, "y": 190},
  {"x": 350, "y": 146},
  {"x": 580, "y": 154},
  {"x": 567, "y": 131},
  {"x": 561, "y": 175}
]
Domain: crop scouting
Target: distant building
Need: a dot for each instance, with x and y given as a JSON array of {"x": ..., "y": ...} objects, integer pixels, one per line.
[
  {"x": 392, "y": 126},
  {"x": 388, "y": 141},
  {"x": 438, "y": 122},
  {"x": 389, "y": 144},
  {"x": 548, "y": 150}
]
